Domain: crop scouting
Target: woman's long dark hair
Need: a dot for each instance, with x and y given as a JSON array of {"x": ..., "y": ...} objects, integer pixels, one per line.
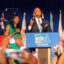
[{"x": 12, "y": 23}]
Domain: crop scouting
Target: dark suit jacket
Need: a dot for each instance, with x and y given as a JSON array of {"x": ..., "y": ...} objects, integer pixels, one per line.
[{"x": 45, "y": 26}]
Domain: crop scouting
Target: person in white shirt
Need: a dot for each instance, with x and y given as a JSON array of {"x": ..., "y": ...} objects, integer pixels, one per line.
[{"x": 37, "y": 23}]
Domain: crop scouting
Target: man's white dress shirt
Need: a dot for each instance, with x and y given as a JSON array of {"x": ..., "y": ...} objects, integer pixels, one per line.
[{"x": 39, "y": 22}]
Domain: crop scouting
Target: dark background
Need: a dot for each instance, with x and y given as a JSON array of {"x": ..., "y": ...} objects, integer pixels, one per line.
[{"x": 28, "y": 5}]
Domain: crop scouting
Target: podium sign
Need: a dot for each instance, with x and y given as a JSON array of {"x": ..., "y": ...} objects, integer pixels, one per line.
[
  {"x": 42, "y": 40},
  {"x": 36, "y": 40}
]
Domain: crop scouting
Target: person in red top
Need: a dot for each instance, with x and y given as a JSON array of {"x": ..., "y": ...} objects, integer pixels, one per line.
[
  {"x": 62, "y": 42},
  {"x": 2, "y": 28}
]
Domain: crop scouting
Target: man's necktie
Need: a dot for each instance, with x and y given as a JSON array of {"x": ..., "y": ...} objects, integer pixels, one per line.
[{"x": 40, "y": 27}]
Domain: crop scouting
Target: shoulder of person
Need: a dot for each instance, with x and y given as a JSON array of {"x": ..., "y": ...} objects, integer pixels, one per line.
[
  {"x": 45, "y": 21},
  {"x": 8, "y": 26}
]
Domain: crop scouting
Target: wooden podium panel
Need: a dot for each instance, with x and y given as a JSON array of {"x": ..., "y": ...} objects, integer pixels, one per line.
[
  {"x": 43, "y": 42},
  {"x": 44, "y": 55}
]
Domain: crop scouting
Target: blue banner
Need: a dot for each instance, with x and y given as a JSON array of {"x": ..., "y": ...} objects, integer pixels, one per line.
[{"x": 36, "y": 40}]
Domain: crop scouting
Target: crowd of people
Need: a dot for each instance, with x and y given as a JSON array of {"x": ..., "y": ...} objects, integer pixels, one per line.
[{"x": 13, "y": 32}]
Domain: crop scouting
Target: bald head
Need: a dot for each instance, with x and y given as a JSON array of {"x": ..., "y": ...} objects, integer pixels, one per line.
[{"x": 37, "y": 12}]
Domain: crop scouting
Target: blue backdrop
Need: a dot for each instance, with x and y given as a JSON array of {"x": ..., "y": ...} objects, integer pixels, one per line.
[
  {"x": 28, "y": 5},
  {"x": 47, "y": 17}
]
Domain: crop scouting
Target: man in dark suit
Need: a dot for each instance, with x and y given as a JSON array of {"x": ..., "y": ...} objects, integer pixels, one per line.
[{"x": 37, "y": 24}]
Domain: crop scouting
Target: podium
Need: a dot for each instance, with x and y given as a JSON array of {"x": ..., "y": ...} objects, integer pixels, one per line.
[{"x": 44, "y": 44}]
